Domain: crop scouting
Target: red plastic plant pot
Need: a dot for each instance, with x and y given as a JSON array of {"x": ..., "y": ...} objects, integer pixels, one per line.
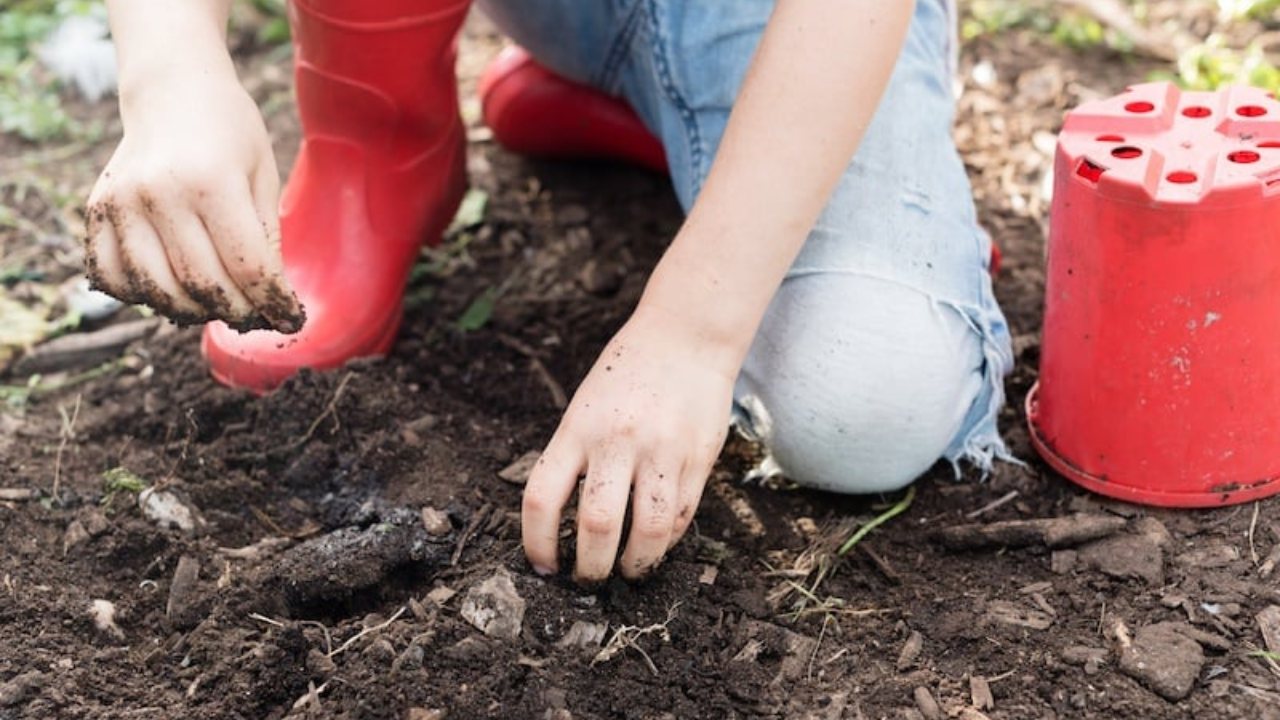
[{"x": 1160, "y": 363}]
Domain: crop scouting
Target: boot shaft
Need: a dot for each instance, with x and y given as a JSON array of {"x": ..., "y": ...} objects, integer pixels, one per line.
[{"x": 378, "y": 72}]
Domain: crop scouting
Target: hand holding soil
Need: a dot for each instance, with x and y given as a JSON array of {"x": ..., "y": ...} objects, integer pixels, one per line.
[
  {"x": 183, "y": 218},
  {"x": 647, "y": 425}
]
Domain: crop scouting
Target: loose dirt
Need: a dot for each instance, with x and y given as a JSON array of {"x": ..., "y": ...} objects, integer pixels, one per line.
[{"x": 311, "y": 583}]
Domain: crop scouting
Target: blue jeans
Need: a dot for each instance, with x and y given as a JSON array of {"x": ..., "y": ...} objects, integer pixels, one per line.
[{"x": 884, "y": 349}]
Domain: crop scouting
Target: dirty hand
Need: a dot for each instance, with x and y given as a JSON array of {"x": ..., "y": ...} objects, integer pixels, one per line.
[
  {"x": 645, "y": 428},
  {"x": 183, "y": 217}
]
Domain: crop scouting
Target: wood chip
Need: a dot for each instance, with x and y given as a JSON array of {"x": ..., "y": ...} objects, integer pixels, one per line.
[
  {"x": 17, "y": 494},
  {"x": 925, "y": 703},
  {"x": 79, "y": 350},
  {"x": 1269, "y": 624},
  {"x": 980, "y": 693},
  {"x": 1049, "y": 532},
  {"x": 910, "y": 651}
]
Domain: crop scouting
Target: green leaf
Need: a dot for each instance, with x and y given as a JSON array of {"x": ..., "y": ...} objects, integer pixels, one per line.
[
  {"x": 479, "y": 312},
  {"x": 119, "y": 479},
  {"x": 470, "y": 212}
]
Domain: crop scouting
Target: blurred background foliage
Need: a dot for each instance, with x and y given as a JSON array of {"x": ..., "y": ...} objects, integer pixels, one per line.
[{"x": 1240, "y": 45}]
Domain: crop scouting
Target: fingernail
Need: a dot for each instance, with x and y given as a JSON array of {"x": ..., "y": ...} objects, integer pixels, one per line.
[{"x": 543, "y": 570}]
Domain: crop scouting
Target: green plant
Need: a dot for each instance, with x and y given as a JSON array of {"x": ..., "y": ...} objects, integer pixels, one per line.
[
  {"x": 1211, "y": 65},
  {"x": 29, "y": 103}
]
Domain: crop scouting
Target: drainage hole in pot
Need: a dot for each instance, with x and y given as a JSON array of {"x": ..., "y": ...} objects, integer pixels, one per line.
[
  {"x": 1197, "y": 111},
  {"x": 1251, "y": 111},
  {"x": 1089, "y": 170},
  {"x": 1127, "y": 152},
  {"x": 1110, "y": 138},
  {"x": 1181, "y": 177},
  {"x": 1140, "y": 106},
  {"x": 1244, "y": 157}
]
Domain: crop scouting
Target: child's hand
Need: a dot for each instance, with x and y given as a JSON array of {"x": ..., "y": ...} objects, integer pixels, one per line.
[
  {"x": 646, "y": 425},
  {"x": 184, "y": 216}
]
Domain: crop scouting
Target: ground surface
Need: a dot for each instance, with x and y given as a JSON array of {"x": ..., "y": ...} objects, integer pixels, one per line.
[{"x": 311, "y": 587}]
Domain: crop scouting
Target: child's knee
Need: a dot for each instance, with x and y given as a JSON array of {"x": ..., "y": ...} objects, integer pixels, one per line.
[{"x": 858, "y": 385}]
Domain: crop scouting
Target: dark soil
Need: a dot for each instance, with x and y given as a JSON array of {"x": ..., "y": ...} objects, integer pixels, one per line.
[{"x": 326, "y": 480}]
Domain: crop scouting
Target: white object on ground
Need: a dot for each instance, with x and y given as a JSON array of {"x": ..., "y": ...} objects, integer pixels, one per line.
[{"x": 80, "y": 53}]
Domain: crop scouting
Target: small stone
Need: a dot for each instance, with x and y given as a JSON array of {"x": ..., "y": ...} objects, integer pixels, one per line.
[
  {"x": 410, "y": 659},
  {"x": 972, "y": 714},
  {"x": 517, "y": 473},
  {"x": 468, "y": 649},
  {"x": 494, "y": 607},
  {"x": 708, "y": 575},
  {"x": 1163, "y": 658},
  {"x": 94, "y": 521},
  {"x": 1136, "y": 557},
  {"x": 436, "y": 522},
  {"x": 182, "y": 593},
  {"x": 319, "y": 663},
  {"x": 558, "y": 714},
  {"x": 74, "y": 535},
  {"x": 103, "y": 613},
  {"x": 441, "y": 595},
  {"x": 425, "y": 714},
  {"x": 380, "y": 651},
  {"x": 910, "y": 651},
  {"x": 166, "y": 510},
  {"x": 583, "y": 634}
]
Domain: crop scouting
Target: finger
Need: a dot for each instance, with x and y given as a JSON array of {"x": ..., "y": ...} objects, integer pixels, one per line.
[
  {"x": 552, "y": 481},
  {"x": 251, "y": 257},
  {"x": 195, "y": 261},
  {"x": 148, "y": 277},
  {"x": 102, "y": 254},
  {"x": 602, "y": 506},
  {"x": 653, "y": 509},
  {"x": 693, "y": 481}
]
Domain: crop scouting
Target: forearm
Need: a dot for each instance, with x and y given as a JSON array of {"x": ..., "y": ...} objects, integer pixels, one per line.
[
  {"x": 809, "y": 95},
  {"x": 163, "y": 38}
]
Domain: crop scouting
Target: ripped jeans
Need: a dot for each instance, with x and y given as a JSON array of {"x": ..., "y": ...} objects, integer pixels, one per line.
[{"x": 884, "y": 349}]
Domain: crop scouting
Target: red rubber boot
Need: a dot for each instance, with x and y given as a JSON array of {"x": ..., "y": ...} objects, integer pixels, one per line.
[
  {"x": 533, "y": 111},
  {"x": 381, "y": 171}
]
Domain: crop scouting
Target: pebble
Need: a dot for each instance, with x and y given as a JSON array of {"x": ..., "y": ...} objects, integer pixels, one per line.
[
  {"x": 103, "y": 613},
  {"x": 494, "y": 607},
  {"x": 166, "y": 510},
  {"x": 319, "y": 663},
  {"x": 467, "y": 649},
  {"x": 436, "y": 522},
  {"x": 517, "y": 473},
  {"x": 1214, "y": 556},
  {"x": 583, "y": 634},
  {"x": 600, "y": 278},
  {"x": 1164, "y": 658},
  {"x": 426, "y": 714},
  {"x": 411, "y": 659},
  {"x": 380, "y": 651}
]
